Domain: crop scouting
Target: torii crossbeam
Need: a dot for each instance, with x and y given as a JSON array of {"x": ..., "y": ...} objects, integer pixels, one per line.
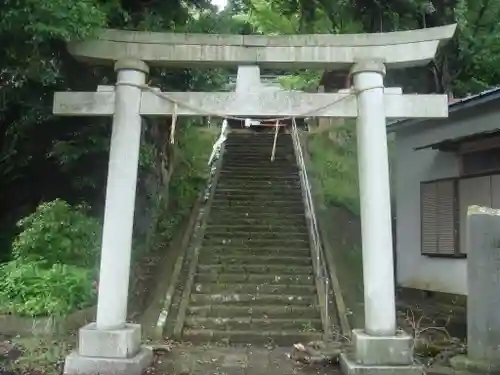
[{"x": 276, "y": 104}]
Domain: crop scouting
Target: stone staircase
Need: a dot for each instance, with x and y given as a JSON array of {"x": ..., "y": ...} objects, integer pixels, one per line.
[{"x": 254, "y": 280}]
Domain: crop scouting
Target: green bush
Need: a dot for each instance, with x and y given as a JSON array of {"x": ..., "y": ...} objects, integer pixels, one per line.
[
  {"x": 32, "y": 288},
  {"x": 57, "y": 233}
]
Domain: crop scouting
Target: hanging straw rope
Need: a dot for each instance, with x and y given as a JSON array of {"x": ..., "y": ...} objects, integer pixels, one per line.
[
  {"x": 203, "y": 112},
  {"x": 172, "y": 126},
  {"x": 275, "y": 140}
]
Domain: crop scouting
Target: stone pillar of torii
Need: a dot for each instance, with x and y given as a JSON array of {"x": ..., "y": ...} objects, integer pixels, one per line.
[{"x": 111, "y": 345}]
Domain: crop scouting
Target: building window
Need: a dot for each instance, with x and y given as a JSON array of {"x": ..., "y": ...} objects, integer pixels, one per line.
[
  {"x": 478, "y": 162},
  {"x": 439, "y": 218}
]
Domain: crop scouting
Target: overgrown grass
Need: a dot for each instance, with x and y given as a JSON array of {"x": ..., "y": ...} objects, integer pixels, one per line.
[
  {"x": 334, "y": 163},
  {"x": 190, "y": 175}
]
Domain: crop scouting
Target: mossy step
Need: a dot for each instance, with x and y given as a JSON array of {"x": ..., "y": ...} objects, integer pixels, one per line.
[
  {"x": 262, "y": 202},
  {"x": 275, "y": 269},
  {"x": 272, "y": 187},
  {"x": 252, "y": 299},
  {"x": 264, "y": 219},
  {"x": 260, "y": 149},
  {"x": 208, "y": 258},
  {"x": 210, "y": 288},
  {"x": 282, "y": 278},
  {"x": 257, "y": 311},
  {"x": 257, "y": 227},
  {"x": 270, "y": 251},
  {"x": 256, "y": 242},
  {"x": 257, "y": 163},
  {"x": 260, "y": 169},
  {"x": 291, "y": 195},
  {"x": 223, "y": 210},
  {"x": 261, "y": 198},
  {"x": 281, "y": 170},
  {"x": 265, "y": 139},
  {"x": 259, "y": 178},
  {"x": 268, "y": 185},
  {"x": 252, "y": 145},
  {"x": 253, "y": 159},
  {"x": 260, "y": 152},
  {"x": 245, "y": 221},
  {"x": 234, "y": 177},
  {"x": 231, "y": 235},
  {"x": 226, "y": 175},
  {"x": 251, "y": 324},
  {"x": 279, "y": 338},
  {"x": 284, "y": 164}
]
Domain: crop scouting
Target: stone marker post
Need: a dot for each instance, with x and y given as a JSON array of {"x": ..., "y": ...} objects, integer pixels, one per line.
[{"x": 483, "y": 298}]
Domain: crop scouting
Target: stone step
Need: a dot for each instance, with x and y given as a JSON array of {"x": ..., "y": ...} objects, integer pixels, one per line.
[
  {"x": 224, "y": 210},
  {"x": 260, "y": 197},
  {"x": 257, "y": 311},
  {"x": 267, "y": 186},
  {"x": 211, "y": 259},
  {"x": 253, "y": 324},
  {"x": 250, "y": 235},
  {"x": 268, "y": 168},
  {"x": 263, "y": 139},
  {"x": 211, "y": 288},
  {"x": 256, "y": 242},
  {"x": 252, "y": 299},
  {"x": 275, "y": 269},
  {"x": 259, "y": 149},
  {"x": 265, "y": 143},
  {"x": 259, "y": 251},
  {"x": 265, "y": 163},
  {"x": 281, "y": 338},
  {"x": 232, "y": 178},
  {"x": 271, "y": 279},
  {"x": 256, "y": 227},
  {"x": 244, "y": 202},
  {"x": 259, "y": 192},
  {"x": 254, "y": 158},
  {"x": 256, "y": 218},
  {"x": 269, "y": 174}
]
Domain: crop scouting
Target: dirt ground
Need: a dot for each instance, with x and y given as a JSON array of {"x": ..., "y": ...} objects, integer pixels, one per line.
[{"x": 184, "y": 359}]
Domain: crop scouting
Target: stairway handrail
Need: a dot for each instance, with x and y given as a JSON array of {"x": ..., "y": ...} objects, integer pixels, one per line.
[{"x": 320, "y": 265}]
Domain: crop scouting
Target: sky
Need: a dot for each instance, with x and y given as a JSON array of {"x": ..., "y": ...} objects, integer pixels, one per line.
[{"x": 221, "y": 4}]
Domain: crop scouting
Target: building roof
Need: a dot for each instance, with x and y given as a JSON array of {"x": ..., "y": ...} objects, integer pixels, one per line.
[
  {"x": 452, "y": 144},
  {"x": 454, "y": 106}
]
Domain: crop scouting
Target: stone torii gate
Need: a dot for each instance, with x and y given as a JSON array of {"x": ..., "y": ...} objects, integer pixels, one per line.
[{"x": 111, "y": 345}]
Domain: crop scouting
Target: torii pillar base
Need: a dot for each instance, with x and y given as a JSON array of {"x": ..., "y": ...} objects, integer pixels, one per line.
[
  {"x": 384, "y": 355},
  {"x": 109, "y": 352}
]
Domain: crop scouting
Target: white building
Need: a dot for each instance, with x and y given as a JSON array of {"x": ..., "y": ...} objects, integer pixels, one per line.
[{"x": 442, "y": 167}]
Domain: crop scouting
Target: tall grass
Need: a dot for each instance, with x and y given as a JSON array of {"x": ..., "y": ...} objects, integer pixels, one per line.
[{"x": 334, "y": 164}]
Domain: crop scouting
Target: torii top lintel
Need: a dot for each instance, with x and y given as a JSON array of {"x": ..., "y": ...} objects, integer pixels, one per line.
[{"x": 398, "y": 49}]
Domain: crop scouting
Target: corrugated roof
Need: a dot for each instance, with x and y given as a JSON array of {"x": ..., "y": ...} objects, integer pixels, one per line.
[{"x": 454, "y": 106}]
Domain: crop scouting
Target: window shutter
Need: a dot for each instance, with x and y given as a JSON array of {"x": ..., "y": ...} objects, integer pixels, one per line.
[
  {"x": 438, "y": 217},
  {"x": 446, "y": 217},
  {"x": 429, "y": 218}
]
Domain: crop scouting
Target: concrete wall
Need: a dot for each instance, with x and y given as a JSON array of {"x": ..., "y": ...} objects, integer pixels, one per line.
[{"x": 413, "y": 269}]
